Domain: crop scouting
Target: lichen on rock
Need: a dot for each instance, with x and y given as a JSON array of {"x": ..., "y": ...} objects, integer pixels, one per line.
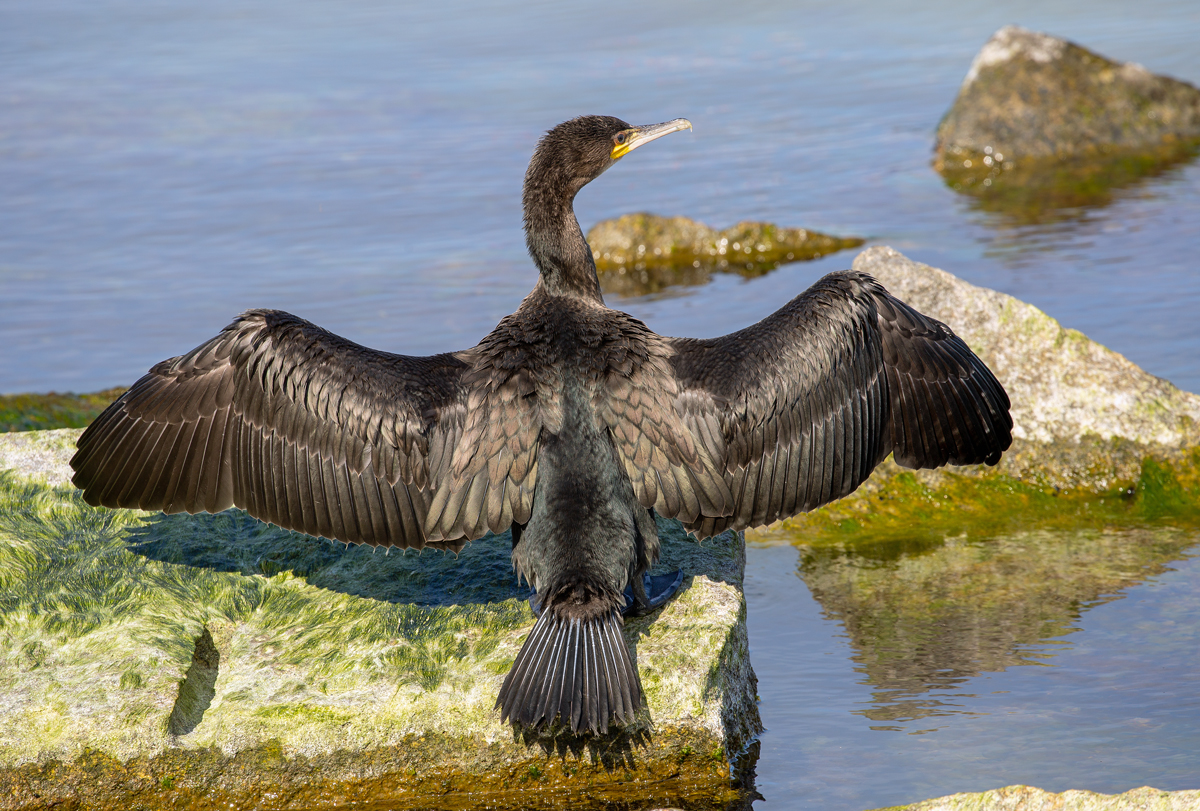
[
  {"x": 1042, "y": 125},
  {"x": 190, "y": 661},
  {"x": 638, "y": 254}
]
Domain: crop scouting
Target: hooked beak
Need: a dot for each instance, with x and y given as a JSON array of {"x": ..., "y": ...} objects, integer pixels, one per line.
[{"x": 636, "y": 136}]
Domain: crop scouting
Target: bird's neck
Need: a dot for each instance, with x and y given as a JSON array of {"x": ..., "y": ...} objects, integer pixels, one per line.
[{"x": 556, "y": 242}]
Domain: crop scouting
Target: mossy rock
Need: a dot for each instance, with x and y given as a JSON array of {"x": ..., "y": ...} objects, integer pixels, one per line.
[
  {"x": 1026, "y": 798},
  {"x": 1043, "y": 127},
  {"x": 41, "y": 412},
  {"x": 188, "y": 661},
  {"x": 638, "y": 254}
]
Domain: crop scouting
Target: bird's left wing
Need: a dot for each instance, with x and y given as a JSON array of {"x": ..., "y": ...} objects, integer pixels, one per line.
[
  {"x": 297, "y": 426},
  {"x": 798, "y": 409}
]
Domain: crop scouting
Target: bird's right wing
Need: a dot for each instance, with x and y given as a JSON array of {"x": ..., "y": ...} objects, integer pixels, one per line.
[
  {"x": 798, "y": 409},
  {"x": 301, "y": 428}
]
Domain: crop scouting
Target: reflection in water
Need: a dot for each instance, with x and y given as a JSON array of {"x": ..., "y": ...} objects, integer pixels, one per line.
[
  {"x": 924, "y": 615},
  {"x": 1043, "y": 191}
]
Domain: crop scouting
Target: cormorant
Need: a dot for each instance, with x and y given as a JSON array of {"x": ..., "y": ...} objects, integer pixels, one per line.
[{"x": 570, "y": 422}]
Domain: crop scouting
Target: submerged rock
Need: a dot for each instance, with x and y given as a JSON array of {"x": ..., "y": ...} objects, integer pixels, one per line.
[
  {"x": 192, "y": 661},
  {"x": 1041, "y": 125},
  {"x": 638, "y": 254},
  {"x": 1026, "y": 798}
]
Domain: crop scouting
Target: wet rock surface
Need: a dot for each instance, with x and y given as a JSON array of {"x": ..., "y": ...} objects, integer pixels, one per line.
[
  {"x": 1026, "y": 798},
  {"x": 639, "y": 254},
  {"x": 1030, "y": 95},
  {"x": 37, "y": 412},
  {"x": 1042, "y": 125},
  {"x": 190, "y": 661}
]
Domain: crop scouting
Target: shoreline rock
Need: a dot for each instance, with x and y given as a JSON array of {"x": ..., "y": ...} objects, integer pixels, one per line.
[
  {"x": 639, "y": 254},
  {"x": 190, "y": 661}
]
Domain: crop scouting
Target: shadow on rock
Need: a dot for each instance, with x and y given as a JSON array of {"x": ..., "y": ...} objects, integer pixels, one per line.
[
  {"x": 925, "y": 615},
  {"x": 234, "y": 541}
]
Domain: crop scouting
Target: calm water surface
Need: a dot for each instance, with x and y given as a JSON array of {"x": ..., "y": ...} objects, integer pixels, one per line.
[
  {"x": 1060, "y": 660},
  {"x": 166, "y": 165}
]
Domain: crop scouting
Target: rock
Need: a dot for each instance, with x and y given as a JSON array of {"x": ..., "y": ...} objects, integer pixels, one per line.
[
  {"x": 193, "y": 661},
  {"x": 1029, "y": 95},
  {"x": 1026, "y": 798},
  {"x": 637, "y": 254},
  {"x": 37, "y": 412},
  {"x": 1096, "y": 438},
  {"x": 1071, "y": 397},
  {"x": 1041, "y": 125}
]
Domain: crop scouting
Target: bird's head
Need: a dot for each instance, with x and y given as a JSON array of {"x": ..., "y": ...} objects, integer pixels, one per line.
[{"x": 578, "y": 151}]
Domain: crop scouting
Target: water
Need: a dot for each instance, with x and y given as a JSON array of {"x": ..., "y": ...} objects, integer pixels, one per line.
[
  {"x": 166, "y": 165},
  {"x": 1060, "y": 660}
]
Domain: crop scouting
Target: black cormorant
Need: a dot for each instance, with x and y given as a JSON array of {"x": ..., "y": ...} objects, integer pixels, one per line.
[{"x": 571, "y": 423}]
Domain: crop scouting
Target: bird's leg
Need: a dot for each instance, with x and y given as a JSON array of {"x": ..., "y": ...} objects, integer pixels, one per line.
[{"x": 646, "y": 593}]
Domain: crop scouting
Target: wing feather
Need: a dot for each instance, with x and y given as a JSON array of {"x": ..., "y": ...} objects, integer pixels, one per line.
[
  {"x": 798, "y": 409},
  {"x": 288, "y": 421}
]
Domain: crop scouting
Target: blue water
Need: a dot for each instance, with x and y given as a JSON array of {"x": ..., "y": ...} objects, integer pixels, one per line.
[
  {"x": 1111, "y": 705},
  {"x": 165, "y": 165}
]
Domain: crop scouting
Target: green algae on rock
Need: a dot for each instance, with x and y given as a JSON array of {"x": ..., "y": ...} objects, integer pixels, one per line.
[
  {"x": 1042, "y": 126},
  {"x": 1026, "y": 798},
  {"x": 187, "y": 661},
  {"x": 638, "y": 254},
  {"x": 40, "y": 412}
]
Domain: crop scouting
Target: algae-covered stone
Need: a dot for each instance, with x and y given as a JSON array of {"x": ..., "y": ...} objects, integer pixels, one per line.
[
  {"x": 40, "y": 412},
  {"x": 1026, "y": 798},
  {"x": 1096, "y": 438},
  {"x": 191, "y": 661},
  {"x": 637, "y": 254},
  {"x": 1042, "y": 125}
]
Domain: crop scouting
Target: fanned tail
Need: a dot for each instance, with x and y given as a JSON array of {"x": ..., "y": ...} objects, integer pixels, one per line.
[{"x": 575, "y": 669}]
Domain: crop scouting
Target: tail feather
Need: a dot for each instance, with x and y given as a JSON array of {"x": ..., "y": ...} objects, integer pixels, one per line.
[{"x": 577, "y": 670}]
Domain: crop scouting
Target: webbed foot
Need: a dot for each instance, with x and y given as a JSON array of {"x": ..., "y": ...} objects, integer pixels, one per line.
[{"x": 642, "y": 598}]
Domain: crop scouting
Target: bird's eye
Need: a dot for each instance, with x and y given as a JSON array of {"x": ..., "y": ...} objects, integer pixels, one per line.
[{"x": 621, "y": 137}]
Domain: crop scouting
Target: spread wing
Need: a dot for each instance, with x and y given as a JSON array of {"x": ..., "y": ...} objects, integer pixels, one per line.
[
  {"x": 306, "y": 430},
  {"x": 798, "y": 409}
]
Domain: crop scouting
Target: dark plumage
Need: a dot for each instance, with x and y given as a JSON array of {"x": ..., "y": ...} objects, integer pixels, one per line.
[{"x": 570, "y": 422}]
